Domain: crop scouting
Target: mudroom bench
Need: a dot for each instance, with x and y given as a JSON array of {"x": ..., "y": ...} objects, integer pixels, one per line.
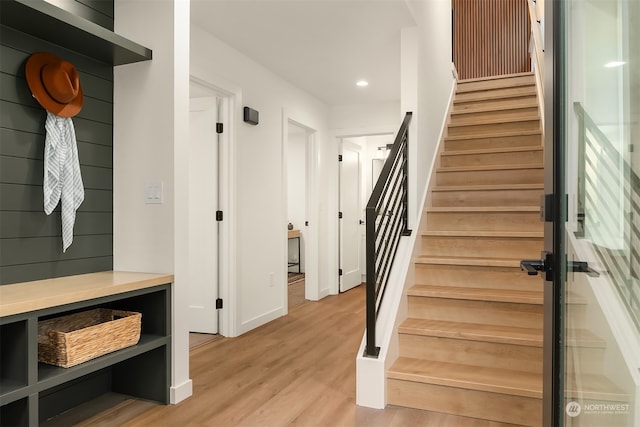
[{"x": 32, "y": 392}]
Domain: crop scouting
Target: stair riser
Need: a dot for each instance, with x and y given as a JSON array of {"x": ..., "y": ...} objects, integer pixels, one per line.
[
  {"x": 487, "y": 142},
  {"x": 491, "y": 277},
  {"x": 481, "y": 312},
  {"x": 472, "y": 353},
  {"x": 485, "y": 159},
  {"x": 477, "y": 198},
  {"x": 491, "y": 177},
  {"x": 468, "y": 86},
  {"x": 499, "y": 93},
  {"x": 503, "y": 408},
  {"x": 488, "y": 104},
  {"x": 472, "y": 116},
  {"x": 490, "y": 247},
  {"x": 492, "y": 128},
  {"x": 484, "y": 221}
]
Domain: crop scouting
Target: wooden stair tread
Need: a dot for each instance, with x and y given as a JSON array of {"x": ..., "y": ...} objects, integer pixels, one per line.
[
  {"x": 501, "y": 334},
  {"x": 491, "y": 151},
  {"x": 594, "y": 387},
  {"x": 497, "y": 77},
  {"x": 530, "y": 102},
  {"x": 494, "y": 121},
  {"x": 469, "y": 261},
  {"x": 496, "y": 187},
  {"x": 494, "y": 135},
  {"x": 494, "y": 380},
  {"x": 477, "y": 294},
  {"x": 483, "y": 233},
  {"x": 486, "y": 95},
  {"x": 490, "y": 167},
  {"x": 486, "y": 209}
]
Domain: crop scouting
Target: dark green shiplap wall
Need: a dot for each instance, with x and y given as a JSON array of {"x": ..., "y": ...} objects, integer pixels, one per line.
[{"x": 30, "y": 241}]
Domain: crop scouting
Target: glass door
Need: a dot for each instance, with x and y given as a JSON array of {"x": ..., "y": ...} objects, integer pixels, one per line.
[{"x": 592, "y": 288}]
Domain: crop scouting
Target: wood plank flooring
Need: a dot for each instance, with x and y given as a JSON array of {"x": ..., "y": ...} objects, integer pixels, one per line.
[{"x": 298, "y": 370}]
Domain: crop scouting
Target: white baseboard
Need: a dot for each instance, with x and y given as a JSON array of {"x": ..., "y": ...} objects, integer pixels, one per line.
[
  {"x": 260, "y": 320},
  {"x": 181, "y": 392}
]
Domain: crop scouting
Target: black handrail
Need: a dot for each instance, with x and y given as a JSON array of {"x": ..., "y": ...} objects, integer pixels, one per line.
[
  {"x": 595, "y": 148},
  {"x": 387, "y": 220}
]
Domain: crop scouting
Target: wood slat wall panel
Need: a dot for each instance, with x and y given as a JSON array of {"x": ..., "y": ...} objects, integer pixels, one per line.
[
  {"x": 30, "y": 241},
  {"x": 29, "y": 272},
  {"x": 17, "y": 225},
  {"x": 16, "y": 197},
  {"x": 490, "y": 37}
]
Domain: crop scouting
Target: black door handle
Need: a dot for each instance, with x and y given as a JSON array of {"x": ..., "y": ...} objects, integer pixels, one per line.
[
  {"x": 582, "y": 267},
  {"x": 533, "y": 266}
]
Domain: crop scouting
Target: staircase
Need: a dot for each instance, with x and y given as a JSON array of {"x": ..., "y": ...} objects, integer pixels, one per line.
[{"x": 472, "y": 343}]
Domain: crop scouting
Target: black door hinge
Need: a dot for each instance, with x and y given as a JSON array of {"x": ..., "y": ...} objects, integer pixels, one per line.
[
  {"x": 218, "y": 303},
  {"x": 339, "y": 215},
  {"x": 219, "y": 215},
  {"x": 339, "y": 157},
  {"x": 340, "y": 272},
  {"x": 219, "y": 127}
]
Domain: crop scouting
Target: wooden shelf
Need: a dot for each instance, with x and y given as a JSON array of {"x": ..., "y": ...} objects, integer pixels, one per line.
[
  {"x": 48, "y": 22},
  {"x": 31, "y": 392},
  {"x": 42, "y": 294}
]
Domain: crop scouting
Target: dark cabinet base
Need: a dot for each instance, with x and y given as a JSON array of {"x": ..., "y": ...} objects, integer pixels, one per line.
[{"x": 33, "y": 393}]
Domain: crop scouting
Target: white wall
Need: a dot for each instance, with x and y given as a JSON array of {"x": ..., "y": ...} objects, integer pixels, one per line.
[
  {"x": 150, "y": 123},
  {"x": 434, "y": 84},
  {"x": 261, "y": 211}
]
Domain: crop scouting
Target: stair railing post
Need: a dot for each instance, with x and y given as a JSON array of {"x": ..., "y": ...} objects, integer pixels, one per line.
[
  {"x": 371, "y": 350},
  {"x": 405, "y": 196}
]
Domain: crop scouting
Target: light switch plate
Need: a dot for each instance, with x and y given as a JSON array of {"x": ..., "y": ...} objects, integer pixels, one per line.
[{"x": 153, "y": 193}]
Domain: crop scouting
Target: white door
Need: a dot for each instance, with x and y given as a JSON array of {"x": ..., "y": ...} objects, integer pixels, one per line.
[
  {"x": 203, "y": 204},
  {"x": 350, "y": 223}
]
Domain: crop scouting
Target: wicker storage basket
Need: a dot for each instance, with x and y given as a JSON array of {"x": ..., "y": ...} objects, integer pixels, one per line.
[{"x": 70, "y": 340}]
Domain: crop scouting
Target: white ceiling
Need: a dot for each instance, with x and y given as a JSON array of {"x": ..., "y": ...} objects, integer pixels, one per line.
[{"x": 321, "y": 46}]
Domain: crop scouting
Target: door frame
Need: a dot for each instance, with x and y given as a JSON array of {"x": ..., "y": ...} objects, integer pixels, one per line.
[
  {"x": 230, "y": 97},
  {"x": 311, "y": 241},
  {"x": 361, "y": 190},
  {"x": 554, "y": 227}
]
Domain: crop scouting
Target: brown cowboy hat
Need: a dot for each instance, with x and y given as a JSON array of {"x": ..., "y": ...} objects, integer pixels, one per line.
[{"x": 54, "y": 83}]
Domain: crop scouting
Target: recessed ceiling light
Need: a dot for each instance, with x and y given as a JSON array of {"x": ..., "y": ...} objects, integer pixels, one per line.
[
  {"x": 614, "y": 64},
  {"x": 362, "y": 83}
]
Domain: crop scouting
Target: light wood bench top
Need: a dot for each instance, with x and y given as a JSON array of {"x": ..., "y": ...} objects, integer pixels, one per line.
[{"x": 30, "y": 296}]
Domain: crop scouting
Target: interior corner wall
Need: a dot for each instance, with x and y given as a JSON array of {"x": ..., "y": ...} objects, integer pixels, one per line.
[
  {"x": 260, "y": 200},
  {"x": 435, "y": 85},
  {"x": 150, "y": 129}
]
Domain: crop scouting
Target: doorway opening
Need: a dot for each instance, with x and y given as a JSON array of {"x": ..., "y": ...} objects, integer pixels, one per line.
[
  {"x": 301, "y": 241},
  {"x": 361, "y": 159}
]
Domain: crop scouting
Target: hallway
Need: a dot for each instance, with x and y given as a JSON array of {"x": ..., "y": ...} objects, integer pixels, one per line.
[{"x": 288, "y": 372}]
